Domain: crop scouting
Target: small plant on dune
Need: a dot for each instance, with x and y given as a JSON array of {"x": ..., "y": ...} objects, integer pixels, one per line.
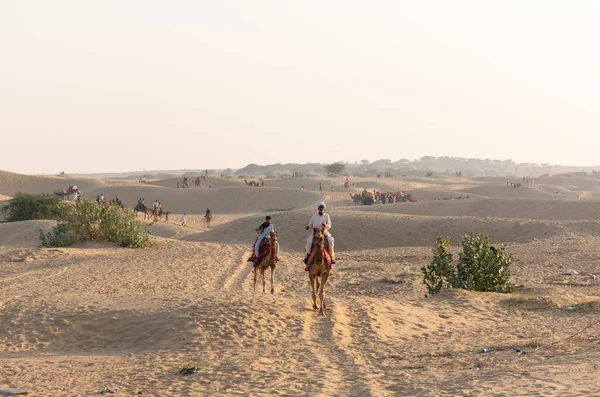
[
  {"x": 440, "y": 272},
  {"x": 89, "y": 221},
  {"x": 24, "y": 207},
  {"x": 480, "y": 267}
]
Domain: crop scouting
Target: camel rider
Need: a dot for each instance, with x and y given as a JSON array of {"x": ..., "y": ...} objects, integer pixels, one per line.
[
  {"x": 318, "y": 220},
  {"x": 263, "y": 232},
  {"x": 207, "y": 214}
]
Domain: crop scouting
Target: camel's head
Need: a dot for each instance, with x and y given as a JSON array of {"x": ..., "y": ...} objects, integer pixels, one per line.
[
  {"x": 273, "y": 236},
  {"x": 318, "y": 236}
]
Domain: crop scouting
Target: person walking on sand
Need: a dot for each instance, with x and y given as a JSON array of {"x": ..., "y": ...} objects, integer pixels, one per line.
[{"x": 183, "y": 219}]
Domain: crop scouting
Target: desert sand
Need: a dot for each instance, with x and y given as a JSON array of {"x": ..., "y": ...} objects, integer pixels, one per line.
[{"x": 74, "y": 320}]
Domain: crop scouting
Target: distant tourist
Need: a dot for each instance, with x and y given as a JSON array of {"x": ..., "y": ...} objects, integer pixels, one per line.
[{"x": 183, "y": 219}]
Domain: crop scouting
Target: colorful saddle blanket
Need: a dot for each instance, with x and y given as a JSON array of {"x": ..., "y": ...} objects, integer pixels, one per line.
[
  {"x": 326, "y": 255},
  {"x": 265, "y": 247}
]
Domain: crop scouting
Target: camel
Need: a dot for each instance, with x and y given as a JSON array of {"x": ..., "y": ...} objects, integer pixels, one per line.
[
  {"x": 268, "y": 262},
  {"x": 260, "y": 183},
  {"x": 165, "y": 213},
  {"x": 318, "y": 272},
  {"x": 356, "y": 199},
  {"x": 141, "y": 208},
  {"x": 150, "y": 213}
]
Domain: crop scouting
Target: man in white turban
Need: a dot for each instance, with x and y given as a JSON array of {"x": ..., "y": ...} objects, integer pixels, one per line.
[{"x": 318, "y": 220}]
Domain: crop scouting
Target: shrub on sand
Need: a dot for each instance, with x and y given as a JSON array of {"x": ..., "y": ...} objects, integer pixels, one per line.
[
  {"x": 24, "y": 207},
  {"x": 89, "y": 221},
  {"x": 480, "y": 267}
]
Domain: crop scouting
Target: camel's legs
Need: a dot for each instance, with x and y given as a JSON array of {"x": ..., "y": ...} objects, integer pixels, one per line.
[
  {"x": 315, "y": 285},
  {"x": 273, "y": 279},
  {"x": 313, "y": 282},
  {"x": 322, "y": 293},
  {"x": 255, "y": 276},
  {"x": 264, "y": 278}
]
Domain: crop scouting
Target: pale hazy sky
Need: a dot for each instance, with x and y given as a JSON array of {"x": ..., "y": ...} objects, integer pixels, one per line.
[{"x": 89, "y": 86}]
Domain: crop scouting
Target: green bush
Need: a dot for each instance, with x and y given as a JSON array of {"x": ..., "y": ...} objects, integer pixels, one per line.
[
  {"x": 59, "y": 236},
  {"x": 24, "y": 207},
  {"x": 440, "y": 272},
  {"x": 89, "y": 221},
  {"x": 480, "y": 267}
]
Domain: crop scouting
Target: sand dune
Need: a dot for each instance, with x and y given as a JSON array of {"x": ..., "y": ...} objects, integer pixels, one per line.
[
  {"x": 520, "y": 192},
  {"x": 12, "y": 183},
  {"x": 577, "y": 183},
  {"x": 73, "y": 320},
  {"x": 497, "y": 208},
  {"x": 25, "y": 234},
  {"x": 215, "y": 181},
  {"x": 355, "y": 230},
  {"x": 229, "y": 200}
]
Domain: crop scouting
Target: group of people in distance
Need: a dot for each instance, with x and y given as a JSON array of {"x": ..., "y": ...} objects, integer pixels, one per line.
[{"x": 319, "y": 220}]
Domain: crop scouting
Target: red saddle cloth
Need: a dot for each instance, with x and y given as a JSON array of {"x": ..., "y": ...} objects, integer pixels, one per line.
[
  {"x": 326, "y": 254},
  {"x": 265, "y": 247}
]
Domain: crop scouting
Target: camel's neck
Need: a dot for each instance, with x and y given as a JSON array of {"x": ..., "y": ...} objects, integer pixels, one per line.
[
  {"x": 273, "y": 251},
  {"x": 319, "y": 254}
]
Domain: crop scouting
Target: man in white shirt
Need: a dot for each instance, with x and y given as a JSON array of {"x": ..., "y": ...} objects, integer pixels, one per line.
[{"x": 320, "y": 219}]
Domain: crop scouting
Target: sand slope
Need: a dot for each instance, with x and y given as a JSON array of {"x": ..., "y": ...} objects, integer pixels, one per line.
[
  {"x": 11, "y": 183},
  {"x": 216, "y": 182},
  {"x": 25, "y": 234},
  {"x": 73, "y": 320},
  {"x": 229, "y": 200},
  {"x": 497, "y": 208},
  {"x": 355, "y": 230}
]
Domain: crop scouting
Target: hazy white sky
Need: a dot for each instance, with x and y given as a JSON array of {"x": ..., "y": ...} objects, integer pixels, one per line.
[{"x": 89, "y": 86}]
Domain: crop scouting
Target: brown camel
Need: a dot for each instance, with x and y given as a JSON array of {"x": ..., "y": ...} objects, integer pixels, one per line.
[
  {"x": 318, "y": 272},
  {"x": 268, "y": 262}
]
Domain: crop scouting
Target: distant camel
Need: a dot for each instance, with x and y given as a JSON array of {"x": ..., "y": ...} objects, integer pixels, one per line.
[
  {"x": 357, "y": 199},
  {"x": 268, "y": 262},
  {"x": 318, "y": 272},
  {"x": 260, "y": 183},
  {"x": 141, "y": 208}
]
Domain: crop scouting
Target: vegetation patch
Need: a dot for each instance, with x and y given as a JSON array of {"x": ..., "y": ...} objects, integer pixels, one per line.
[
  {"x": 89, "y": 221},
  {"x": 25, "y": 207},
  {"x": 480, "y": 266}
]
